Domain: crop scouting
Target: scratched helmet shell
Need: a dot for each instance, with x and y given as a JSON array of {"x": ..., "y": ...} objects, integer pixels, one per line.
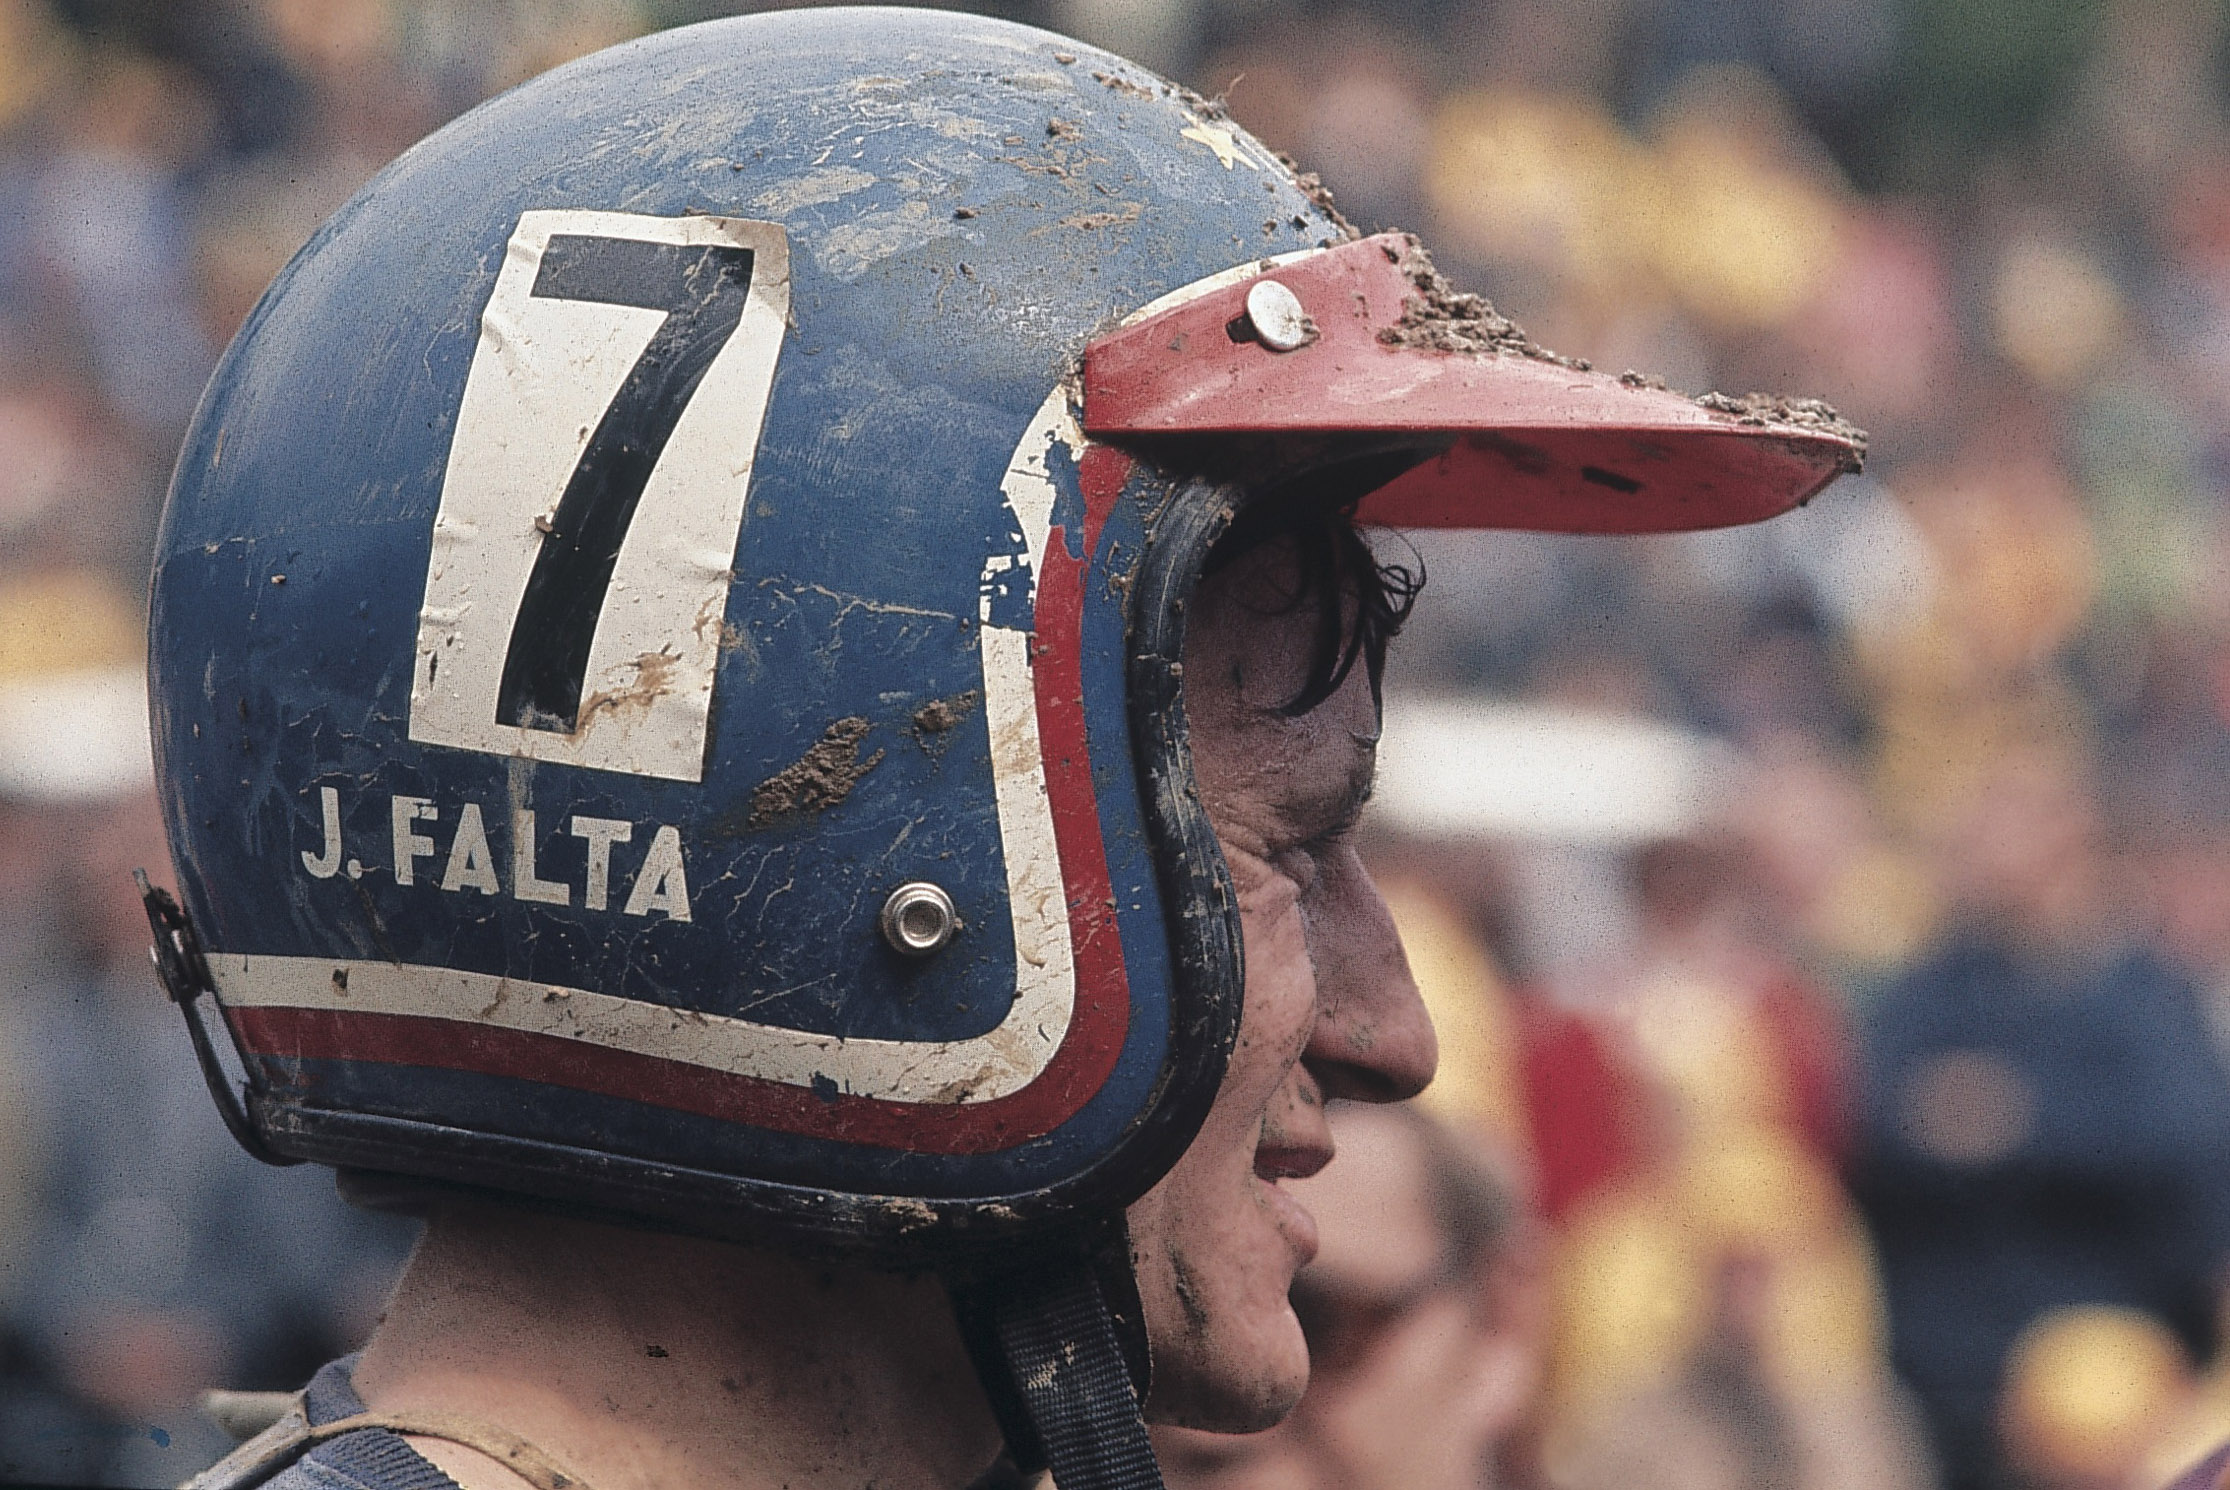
[{"x": 664, "y": 643}]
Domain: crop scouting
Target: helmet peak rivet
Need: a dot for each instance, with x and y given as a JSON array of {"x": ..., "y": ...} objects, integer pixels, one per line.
[
  {"x": 1278, "y": 318},
  {"x": 919, "y": 918}
]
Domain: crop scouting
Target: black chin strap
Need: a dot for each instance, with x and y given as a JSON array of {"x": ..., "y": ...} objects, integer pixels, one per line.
[{"x": 1050, "y": 1344}]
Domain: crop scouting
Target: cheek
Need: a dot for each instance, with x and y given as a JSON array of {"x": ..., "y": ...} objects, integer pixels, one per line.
[
  {"x": 1276, "y": 1018},
  {"x": 1213, "y": 1260},
  {"x": 1280, "y": 1006}
]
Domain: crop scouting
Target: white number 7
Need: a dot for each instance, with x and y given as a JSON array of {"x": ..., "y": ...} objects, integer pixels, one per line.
[{"x": 595, "y": 490}]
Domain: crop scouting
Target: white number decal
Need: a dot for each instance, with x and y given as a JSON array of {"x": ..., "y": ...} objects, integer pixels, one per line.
[{"x": 595, "y": 490}]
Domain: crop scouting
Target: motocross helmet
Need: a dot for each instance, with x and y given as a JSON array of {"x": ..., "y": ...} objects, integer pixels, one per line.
[{"x": 666, "y": 626}]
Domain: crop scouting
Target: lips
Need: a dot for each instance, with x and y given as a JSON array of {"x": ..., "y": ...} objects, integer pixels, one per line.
[
  {"x": 1295, "y": 1140},
  {"x": 1293, "y": 1222},
  {"x": 1287, "y": 1159},
  {"x": 1283, "y": 1157}
]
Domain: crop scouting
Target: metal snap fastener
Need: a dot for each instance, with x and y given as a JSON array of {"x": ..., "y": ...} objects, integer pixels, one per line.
[
  {"x": 919, "y": 918},
  {"x": 1277, "y": 316}
]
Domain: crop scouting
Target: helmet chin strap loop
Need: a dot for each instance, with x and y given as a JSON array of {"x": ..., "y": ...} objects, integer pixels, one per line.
[
  {"x": 183, "y": 972},
  {"x": 1064, "y": 1381}
]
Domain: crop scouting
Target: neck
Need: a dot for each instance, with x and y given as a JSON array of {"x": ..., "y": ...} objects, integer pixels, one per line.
[{"x": 639, "y": 1360}]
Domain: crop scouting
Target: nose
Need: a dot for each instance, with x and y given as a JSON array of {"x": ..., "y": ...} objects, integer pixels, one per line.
[{"x": 1373, "y": 1040}]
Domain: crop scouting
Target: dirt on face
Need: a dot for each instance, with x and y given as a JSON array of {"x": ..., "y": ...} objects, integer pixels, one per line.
[{"x": 818, "y": 779}]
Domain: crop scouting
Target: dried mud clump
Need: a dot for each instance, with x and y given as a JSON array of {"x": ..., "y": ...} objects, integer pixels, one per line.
[
  {"x": 1761, "y": 409},
  {"x": 942, "y": 714},
  {"x": 818, "y": 779},
  {"x": 1212, "y": 109},
  {"x": 1312, "y": 186},
  {"x": 1442, "y": 318},
  {"x": 1117, "y": 83},
  {"x": 1217, "y": 110},
  {"x": 1090, "y": 220}
]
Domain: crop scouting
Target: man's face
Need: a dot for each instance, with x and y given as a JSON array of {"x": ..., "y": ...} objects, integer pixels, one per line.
[
  {"x": 1418, "y": 1367},
  {"x": 1330, "y": 1009}
]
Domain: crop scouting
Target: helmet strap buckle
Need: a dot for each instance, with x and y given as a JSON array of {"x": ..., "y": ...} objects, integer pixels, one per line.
[{"x": 183, "y": 971}]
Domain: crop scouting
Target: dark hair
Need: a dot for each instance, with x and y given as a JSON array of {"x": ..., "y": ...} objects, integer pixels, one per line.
[{"x": 1360, "y": 601}]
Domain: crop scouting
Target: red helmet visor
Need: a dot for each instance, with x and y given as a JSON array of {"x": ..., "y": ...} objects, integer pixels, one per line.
[{"x": 1352, "y": 341}]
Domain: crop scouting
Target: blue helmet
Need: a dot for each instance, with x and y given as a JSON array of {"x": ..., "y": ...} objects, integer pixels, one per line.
[{"x": 666, "y": 625}]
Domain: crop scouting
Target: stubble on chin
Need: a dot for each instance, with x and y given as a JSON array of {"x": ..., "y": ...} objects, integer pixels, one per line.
[{"x": 1208, "y": 1371}]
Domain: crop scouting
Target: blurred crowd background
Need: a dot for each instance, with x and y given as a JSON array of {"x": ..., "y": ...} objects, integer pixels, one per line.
[{"x": 1829, "y": 923}]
